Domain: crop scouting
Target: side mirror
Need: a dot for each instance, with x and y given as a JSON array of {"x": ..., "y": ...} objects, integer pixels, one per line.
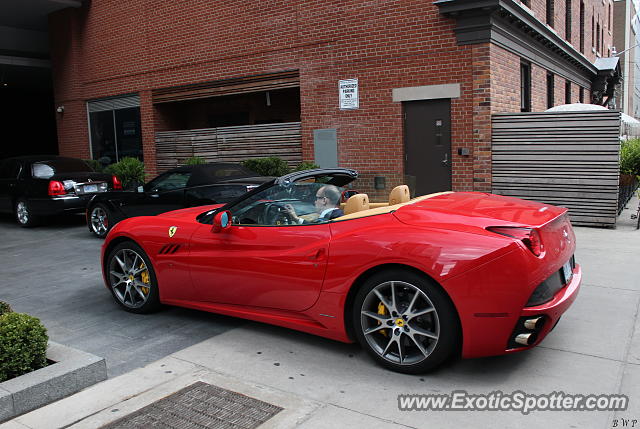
[
  {"x": 221, "y": 221},
  {"x": 347, "y": 194}
]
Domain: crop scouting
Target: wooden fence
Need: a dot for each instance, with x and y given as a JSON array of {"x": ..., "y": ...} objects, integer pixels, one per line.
[
  {"x": 230, "y": 144},
  {"x": 569, "y": 159}
]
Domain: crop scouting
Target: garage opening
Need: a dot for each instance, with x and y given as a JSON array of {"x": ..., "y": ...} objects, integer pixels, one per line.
[{"x": 230, "y": 120}]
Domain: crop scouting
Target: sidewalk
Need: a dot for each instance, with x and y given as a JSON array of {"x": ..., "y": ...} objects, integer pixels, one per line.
[{"x": 319, "y": 383}]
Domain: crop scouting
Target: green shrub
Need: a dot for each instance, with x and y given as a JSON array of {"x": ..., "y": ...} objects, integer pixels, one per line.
[
  {"x": 271, "y": 166},
  {"x": 630, "y": 157},
  {"x": 306, "y": 166},
  {"x": 4, "y": 308},
  {"x": 95, "y": 165},
  {"x": 195, "y": 160},
  {"x": 130, "y": 171},
  {"x": 23, "y": 345}
]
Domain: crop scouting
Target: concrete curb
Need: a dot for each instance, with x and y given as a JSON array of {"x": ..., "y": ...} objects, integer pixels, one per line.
[{"x": 72, "y": 371}]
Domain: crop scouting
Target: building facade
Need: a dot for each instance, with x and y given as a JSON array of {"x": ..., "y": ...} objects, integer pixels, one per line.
[
  {"x": 626, "y": 38},
  {"x": 425, "y": 78}
]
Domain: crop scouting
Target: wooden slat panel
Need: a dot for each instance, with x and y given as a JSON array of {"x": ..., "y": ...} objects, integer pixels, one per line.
[
  {"x": 230, "y": 144},
  {"x": 569, "y": 159},
  {"x": 243, "y": 85}
]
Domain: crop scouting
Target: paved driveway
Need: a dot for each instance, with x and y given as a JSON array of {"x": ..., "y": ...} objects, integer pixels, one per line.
[{"x": 53, "y": 272}]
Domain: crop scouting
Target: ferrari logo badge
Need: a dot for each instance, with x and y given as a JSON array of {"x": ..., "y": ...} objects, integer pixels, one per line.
[{"x": 172, "y": 231}]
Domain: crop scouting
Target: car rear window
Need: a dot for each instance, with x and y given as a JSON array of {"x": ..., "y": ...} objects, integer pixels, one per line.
[
  {"x": 46, "y": 169},
  {"x": 208, "y": 174}
]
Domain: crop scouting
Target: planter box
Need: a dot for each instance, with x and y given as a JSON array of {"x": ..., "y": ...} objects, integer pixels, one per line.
[{"x": 72, "y": 371}]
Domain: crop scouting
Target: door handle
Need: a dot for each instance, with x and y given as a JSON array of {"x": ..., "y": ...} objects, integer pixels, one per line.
[
  {"x": 445, "y": 161},
  {"x": 317, "y": 255},
  {"x": 154, "y": 195}
]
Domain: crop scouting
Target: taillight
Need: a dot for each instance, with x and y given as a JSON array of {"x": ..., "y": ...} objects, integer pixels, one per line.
[
  {"x": 529, "y": 236},
  {"x": 56, "y": 188},
  {"x": 117, "y": 184}
]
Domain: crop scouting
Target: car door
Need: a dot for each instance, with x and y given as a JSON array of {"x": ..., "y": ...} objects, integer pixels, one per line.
[
  {"x": 279, "y": 267},
  {"x": 163, "y": 194},
  {"x": 9, "y": 171}
]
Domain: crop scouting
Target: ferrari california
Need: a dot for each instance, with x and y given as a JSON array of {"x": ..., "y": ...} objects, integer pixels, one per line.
[{"x": 414, "y": 281}]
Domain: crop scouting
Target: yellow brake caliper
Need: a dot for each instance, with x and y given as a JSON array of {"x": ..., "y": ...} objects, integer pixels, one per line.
[
  {"x": 382, "y": 310},
  {"x": 144, "y": 276}
]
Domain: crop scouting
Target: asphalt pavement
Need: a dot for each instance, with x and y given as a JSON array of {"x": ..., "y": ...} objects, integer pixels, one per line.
[{"x": 595, "y": 349}]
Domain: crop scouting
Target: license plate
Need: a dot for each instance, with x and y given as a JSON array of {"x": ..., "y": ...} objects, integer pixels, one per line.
[
  {"x": 90, "y": 188},
  {"x": 567, "y": 272}
]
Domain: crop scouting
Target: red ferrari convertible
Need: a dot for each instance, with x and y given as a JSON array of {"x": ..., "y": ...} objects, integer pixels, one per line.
[{"x": 414, "y": 281}]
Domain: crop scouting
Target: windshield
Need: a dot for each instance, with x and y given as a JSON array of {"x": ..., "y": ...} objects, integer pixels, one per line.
[
  {"x": 302, "y": 199},
  {"x": 46, "y": 169}
]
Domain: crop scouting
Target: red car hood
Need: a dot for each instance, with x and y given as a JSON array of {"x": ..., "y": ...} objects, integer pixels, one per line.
[
  {"x": 472, "y": 209},
  {"x": 190, "y": 212}
]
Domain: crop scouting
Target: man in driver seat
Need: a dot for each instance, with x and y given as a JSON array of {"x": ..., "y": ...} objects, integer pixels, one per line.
[{"x": 327, "y": 206}]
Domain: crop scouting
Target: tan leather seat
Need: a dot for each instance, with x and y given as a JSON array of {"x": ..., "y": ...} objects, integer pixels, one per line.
[
  {"x": 399, "y": 194},
  {"x": 356, "y": 203}
]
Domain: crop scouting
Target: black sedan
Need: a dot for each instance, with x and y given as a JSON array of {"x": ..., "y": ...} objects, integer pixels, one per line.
[
  {"x": 188, "y": 186},
  {"x": 35, "y": 186}
]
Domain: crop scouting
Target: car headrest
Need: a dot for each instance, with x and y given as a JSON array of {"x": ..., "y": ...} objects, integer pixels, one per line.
[
  {"x": 399, "y": 194},
  {"x": 356, "y": 203}
]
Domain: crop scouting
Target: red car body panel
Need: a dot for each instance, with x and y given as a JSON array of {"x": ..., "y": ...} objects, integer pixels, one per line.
[{"x": 301, "y": 276}]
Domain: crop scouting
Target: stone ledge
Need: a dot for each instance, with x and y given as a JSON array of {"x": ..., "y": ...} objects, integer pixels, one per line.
[{"x": 72, "y": 371}]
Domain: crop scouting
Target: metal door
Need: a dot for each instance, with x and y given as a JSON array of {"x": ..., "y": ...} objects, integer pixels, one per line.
[{"x": 427, "y": 145}]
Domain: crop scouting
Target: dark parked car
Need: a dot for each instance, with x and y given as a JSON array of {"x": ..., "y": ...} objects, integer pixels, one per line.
[
  {"x": 36, "y": 186},
  {"x": 187, "y": 186}
]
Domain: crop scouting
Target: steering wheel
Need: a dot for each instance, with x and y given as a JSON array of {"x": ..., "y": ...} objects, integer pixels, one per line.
[{"x": 276, "y": 214}]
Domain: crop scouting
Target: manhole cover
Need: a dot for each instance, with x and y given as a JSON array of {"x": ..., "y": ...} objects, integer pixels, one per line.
[{"x": 200, "y": 405}]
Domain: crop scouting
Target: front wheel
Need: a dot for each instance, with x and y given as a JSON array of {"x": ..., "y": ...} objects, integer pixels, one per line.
[
  {"x": 100, "y": 220},
  {"x": 405, "y": 321},
  {"x": 132, "y": 279},
  {"x": 24, "y": 214}
]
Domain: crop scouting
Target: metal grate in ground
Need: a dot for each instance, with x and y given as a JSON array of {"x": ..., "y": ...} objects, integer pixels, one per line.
[{"x": 198, "y": 406}]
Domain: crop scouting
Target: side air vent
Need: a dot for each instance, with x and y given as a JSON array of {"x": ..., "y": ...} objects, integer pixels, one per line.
[{"x": 169, "y": 249}]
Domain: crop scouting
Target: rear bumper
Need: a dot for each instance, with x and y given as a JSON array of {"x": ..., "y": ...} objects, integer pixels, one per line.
[
  {"x": 58, "y": 205},
  {"x": 493, "y": 335}
]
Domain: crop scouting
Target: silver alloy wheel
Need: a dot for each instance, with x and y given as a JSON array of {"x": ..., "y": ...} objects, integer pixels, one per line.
[
  {"x": 400, "y": 323},
  {"x": 129, "y": 278},
  {"x": 99, "y": 221},
  {"x": 22, "y": 212}
]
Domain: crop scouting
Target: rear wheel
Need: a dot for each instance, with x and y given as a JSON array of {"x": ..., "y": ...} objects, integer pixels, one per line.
[
  {"x": 405, "y": 321},
  {"x": 100, "y": 220},
  {"x": 132, "y": 280},
  {"x": 24, "y": 215}
]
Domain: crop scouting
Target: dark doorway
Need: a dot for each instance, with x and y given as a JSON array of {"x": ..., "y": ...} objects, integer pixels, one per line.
[
  {"x": 27, "y": 112},
  {"x": 427, "y": 146}
]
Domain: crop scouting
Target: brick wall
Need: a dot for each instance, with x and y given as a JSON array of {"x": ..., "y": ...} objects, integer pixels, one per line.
[
  {"x": 109, "y": 48},
  {"x": 140, "y": 45},
  {"x": 592, "y": 8}
]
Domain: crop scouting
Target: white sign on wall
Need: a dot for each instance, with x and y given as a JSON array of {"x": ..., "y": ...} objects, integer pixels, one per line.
[{"x": 348, "y": 90}]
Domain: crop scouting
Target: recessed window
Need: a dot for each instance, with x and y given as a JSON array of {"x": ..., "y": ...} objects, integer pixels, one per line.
[
  {"x": 582, "y": 26},
  {"x": 527, "y": 3},
  {"x": 550, "y": 12},
  {"x": 567, "y": 92},
  {"x": 567, "y": 21},
  {"x": 598, "y": 37},
  {"x": 525, "y": 87},
  {"x": 581, "y": 95},
  {"x": 550, "y": 90}
]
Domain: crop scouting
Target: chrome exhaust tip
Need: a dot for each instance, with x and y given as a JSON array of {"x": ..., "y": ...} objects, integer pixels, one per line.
[
  {"x": 526, "y": 339},
  {"x": 534, "y": 324}
]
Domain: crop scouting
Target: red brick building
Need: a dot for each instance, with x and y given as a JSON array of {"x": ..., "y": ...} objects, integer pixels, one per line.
[{"x": 429, "y": 76}]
